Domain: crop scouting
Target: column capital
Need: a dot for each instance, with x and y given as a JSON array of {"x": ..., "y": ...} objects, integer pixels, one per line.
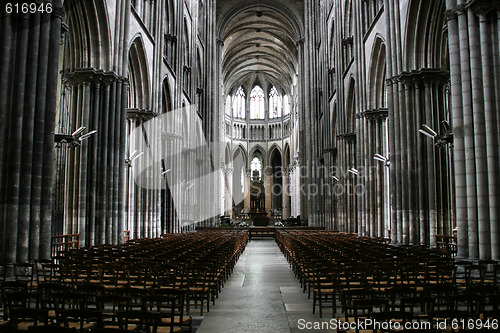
[{"x": 450, "y": 14}]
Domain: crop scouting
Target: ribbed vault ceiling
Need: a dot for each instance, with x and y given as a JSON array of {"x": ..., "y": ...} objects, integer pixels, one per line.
[{"x": 259, "y": 46}]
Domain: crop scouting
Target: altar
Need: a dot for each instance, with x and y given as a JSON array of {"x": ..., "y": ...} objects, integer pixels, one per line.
[{"x": 259, "y": 218}]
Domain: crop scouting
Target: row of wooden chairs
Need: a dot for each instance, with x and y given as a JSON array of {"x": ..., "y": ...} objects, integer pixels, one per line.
[
  {"x": 196, "y": 264},
  {"x": 361, "y": 277}
]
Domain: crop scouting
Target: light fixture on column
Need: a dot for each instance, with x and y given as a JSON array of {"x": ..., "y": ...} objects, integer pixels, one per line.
[
  {"x": 427, "y": 131},
  {"x": 353, "y": 171},
  {"x": 78, "y": 131},
  {"x": 336, "y": 178},
  {"x": 135, "y": 155},
  {"x": 440, "y": 140},
  {"x": 382, "y": 159},
  {"x": 165, "y": 172},
  {"x": 87, "y": 135},
  {"x": 73, "y": 140}
]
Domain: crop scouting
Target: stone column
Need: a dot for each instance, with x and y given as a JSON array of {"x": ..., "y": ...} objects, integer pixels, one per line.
[
  {"x": 268, "y": 183},
  {"x": 248, "y": 176},
  {"x": 468, "y": 132},
  {"x": 421, "y": 180},
  {"x": 458, "y": 131},
  {"x": 93, "y": 145},
  {"x": 479, "y": 138},
  {"x": 491, "y": 123},
  {"x": 29, "y": 232},
  {"x": 15, "y": 242},
  {"x": 285, "y": 187}
]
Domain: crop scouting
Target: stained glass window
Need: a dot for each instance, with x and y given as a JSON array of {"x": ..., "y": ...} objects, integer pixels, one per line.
[
  {"x": 239, "y": 104},
  {"x": 257, "y": 103},
  {"x": 274, "y": 104}
]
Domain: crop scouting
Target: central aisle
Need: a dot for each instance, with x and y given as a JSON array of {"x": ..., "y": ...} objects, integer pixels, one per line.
[{"x": 262, "y": 295}]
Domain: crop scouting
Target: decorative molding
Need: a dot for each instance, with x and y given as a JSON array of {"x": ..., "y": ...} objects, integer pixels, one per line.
[
  {"x": 349, "y": 137},
  {"x": 380, "y": 113}
]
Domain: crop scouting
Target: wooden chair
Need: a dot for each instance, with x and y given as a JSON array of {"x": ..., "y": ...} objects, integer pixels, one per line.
[
  {"x": 52, "y": 273},
  {"x": 81, "y": 319},
  {"x": 165, "y": 307},
  {"x": 91, "y": 292},
  {"x": 24, "y": 310},
  {"x": 138, "y": 320},
  {"x": 324, "y": 285},
  {"x": 180, "y": 318},
  {"x": 39, "y": 263},
  {"x": 198, "y": 289},
  {"x": 25, "y": 272},
  {"x": 66, "y": 301},
  {"x": 109, "y": 306}
]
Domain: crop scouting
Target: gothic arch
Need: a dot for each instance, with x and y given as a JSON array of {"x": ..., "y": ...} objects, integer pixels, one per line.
[
  {"x": 426, "y": 40},
  {"x": 258, "y": 148},
  {"x": 274, "y": 148},
  {"x": 89, "y": 39},
  {"x": 170, "y": 17},
  {"x": 376, "y": 80},
  {"x": 227, "y": 154},
  {"x": 138, "y": 75},
  {"x": 350, "y": 121},
  {"x": 332, "y": 44},
  {"x": 242, "y": 151},
  {"x": 334, "y": 125},
  {"x": 167, "y": 105}
]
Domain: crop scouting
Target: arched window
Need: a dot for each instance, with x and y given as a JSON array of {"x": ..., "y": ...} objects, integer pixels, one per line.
[
  {"x": 239, "y": 104},
  {"x": 257, "y": 103},
  {"x": 274, "y": 104},
  {"x": 256, "y": 169}
]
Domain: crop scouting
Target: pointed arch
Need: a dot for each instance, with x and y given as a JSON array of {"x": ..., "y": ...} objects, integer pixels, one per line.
[
  {"x": 239, "y": 103},
  {"x": 350, "y": 123},
  {"x": 257, "y": 103},
  {"x": 334, "y": 123},
  {"x": 271, "y": 151},
  {"x": 241, "y": 151},
  {"x": 138, "y": 97},
  {"x": 274, "y": 103},
  {"x": 89, "y": 39},
  {"x": 257, "y": 149},
  {"x": 166, "y": 101},
  {"x": 426, "y": 40},
  {"x": 187, "y": 45},
  {"x": 376, "y": 80}
]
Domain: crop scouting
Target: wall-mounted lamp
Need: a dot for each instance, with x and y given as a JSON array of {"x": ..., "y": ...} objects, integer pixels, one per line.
[
  {"x": 439, "y": 140},
  {"x": 135, "y": 155},
  {"x": 75, "y": 139},
  {"x": 382, "y": 159}
]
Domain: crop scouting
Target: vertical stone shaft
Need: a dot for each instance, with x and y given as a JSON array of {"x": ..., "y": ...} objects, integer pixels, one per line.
[
  {"x": 479, "y": 138},
  {"x": 491, "y": 128},
  {"x": 458, "y": 131},
  {"x": 468, "y": 134}
]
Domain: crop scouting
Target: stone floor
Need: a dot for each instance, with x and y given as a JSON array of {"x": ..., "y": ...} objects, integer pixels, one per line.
[{"x": 262, "y": 295}]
